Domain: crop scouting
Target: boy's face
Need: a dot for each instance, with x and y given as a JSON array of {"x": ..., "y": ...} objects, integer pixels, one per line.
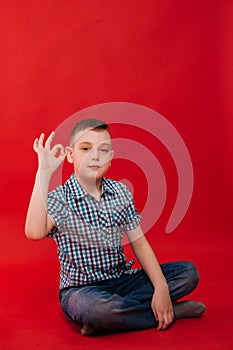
[{"x": 91, "y": 153}]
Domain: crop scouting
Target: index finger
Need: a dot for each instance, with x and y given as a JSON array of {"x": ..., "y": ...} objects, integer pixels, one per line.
[
  {"x": 160, "y": 320},
  {"x": 49, "y": 139}
]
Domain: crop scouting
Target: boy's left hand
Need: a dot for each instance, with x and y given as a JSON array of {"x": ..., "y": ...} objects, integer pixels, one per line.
[{"x": 162, "y": 307}]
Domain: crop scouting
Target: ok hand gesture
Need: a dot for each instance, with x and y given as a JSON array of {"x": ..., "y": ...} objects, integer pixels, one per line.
[{"x": 49, "y": 159}]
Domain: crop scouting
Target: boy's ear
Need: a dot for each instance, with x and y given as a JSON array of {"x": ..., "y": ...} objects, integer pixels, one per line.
[{"x": 69, "y": 154}]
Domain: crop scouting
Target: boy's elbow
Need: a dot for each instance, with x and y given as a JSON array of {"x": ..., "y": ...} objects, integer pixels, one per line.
[{"x": 34, "y": 235}]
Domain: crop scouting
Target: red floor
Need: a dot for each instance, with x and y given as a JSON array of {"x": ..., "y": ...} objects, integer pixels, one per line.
[
  {"x": 175, "y": 57},
  {"x": 31, "y": 318}
]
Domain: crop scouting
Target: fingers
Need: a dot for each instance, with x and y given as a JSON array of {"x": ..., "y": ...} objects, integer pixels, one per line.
[
  {"x": 41, "y": 139},
  {"x": 35, "y": 145},
  {"x": 49, "y": 139},
  {"x": 161, "y": 324},
  {"x": 162, "y": 307},
  {"x": 39, "y": 142},
  {"x": 57, "y": 148},
  {"x": 164, "y": 319},
  {"x": 58, "y": 151},
  {"x": 159, "y": 318}
]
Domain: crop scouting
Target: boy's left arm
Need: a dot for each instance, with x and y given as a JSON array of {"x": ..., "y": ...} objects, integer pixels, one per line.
[{"x": 161, "y": 303}]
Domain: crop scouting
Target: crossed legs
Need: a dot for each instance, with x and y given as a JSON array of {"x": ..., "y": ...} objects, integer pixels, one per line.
[{"x": 125, "y": 303}]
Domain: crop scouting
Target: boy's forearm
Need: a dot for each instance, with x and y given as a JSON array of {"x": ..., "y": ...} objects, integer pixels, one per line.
[
  {"x": 37, "y": 221},
  {"x": 161, "y": 302},
  {"x": 149, "y": 262}
]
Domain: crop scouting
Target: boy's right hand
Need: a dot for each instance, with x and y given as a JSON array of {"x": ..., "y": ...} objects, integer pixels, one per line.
[{"x": 48, "y": 159}]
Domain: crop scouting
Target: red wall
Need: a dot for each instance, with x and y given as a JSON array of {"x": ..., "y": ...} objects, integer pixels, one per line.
[{"x": 58, "y": 57}]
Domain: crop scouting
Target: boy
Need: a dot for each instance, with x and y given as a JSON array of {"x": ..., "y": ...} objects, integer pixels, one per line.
[{"x": 87, "y": 217}]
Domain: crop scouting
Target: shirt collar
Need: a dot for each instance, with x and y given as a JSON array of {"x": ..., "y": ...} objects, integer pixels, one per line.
[
  {"x": 75, "y": 188},
  {"x": 107, "y": 186},
  {"x": 79, "y": 192}
]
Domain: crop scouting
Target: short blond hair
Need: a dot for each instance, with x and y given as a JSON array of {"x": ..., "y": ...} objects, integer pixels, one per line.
[{"x": 92, "y": 124}]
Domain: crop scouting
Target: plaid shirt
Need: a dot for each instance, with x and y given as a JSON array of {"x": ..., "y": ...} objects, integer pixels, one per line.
[{"x": 89, "y": 233}]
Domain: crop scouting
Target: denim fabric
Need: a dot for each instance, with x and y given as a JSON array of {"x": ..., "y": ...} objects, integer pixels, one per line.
[{"x": 125, "y": 302}]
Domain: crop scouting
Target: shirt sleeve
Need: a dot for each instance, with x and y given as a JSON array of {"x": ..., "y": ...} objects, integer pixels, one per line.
[
  {"x": 56, "y": 207},
  {"x": 132, "y": 218}
]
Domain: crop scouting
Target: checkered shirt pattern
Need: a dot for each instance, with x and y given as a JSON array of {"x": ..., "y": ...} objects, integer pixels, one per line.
[{"x": 89, "y": 233}]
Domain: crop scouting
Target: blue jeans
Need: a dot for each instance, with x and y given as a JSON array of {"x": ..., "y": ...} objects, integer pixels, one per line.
[{"x": 125, "y": 302}]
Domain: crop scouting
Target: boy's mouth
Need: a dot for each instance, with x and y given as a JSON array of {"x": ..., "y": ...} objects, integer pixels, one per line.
[{"x": 94, "y": 167}]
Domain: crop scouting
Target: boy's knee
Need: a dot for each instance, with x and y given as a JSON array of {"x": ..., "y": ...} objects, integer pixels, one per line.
[
  {"x": 90, "y": 309},
  {"x": 192, "y": 275}
]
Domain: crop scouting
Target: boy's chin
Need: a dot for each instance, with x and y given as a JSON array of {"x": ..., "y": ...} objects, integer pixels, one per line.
[
  {"x": 93, "y": 177},
  {"x": 97, "y": 175}
]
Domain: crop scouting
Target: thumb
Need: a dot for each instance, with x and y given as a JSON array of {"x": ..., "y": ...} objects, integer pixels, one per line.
[{"x": 57, "y": 148}]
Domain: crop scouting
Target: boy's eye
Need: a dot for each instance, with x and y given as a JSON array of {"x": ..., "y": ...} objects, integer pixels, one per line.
[
  {"x": 85, "y": 149},
  {"x": 104, "y": 150}
]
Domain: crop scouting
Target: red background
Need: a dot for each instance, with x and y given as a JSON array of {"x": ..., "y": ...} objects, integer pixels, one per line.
[{"x": 58, "y": 57}]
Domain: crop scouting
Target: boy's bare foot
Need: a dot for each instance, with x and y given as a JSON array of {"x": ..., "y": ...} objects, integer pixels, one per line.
[
  {"x": 87, "y": 330},
  {"x": 188, "y": 309}
]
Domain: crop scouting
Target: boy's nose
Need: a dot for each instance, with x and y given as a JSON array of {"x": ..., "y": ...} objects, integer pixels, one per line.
[{"x": 95, "y": 154}]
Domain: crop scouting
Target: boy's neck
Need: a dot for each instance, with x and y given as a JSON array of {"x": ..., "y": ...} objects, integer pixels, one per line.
[{"x": 92, "y": 187}]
